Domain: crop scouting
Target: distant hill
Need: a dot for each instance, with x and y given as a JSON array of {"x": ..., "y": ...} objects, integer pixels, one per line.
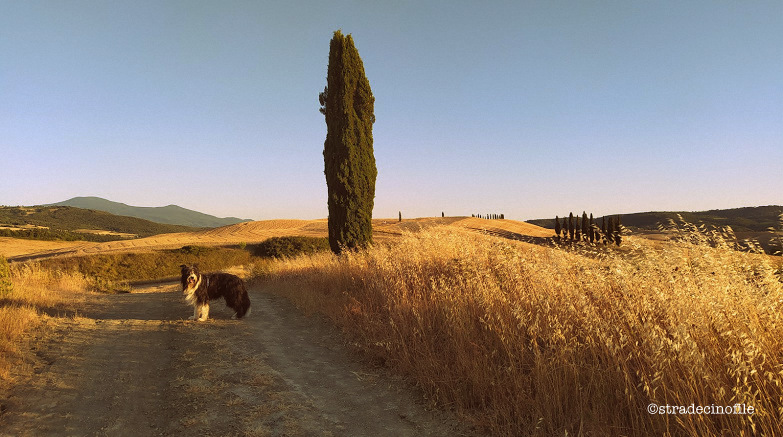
[
  {"x": 69, "y": 219},
  {"x": 749, "y": 219},
  {"x": 172, "y": 214},
  {"x": 750, "y": 223}
]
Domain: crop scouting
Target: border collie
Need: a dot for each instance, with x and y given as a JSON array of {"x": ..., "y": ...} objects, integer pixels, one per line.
[{"x": 199, "y": 288}]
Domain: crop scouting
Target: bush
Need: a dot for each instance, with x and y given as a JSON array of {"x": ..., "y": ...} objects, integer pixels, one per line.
[
  {"x": 121, "y": 267},
  {"x": 289, "y": 247}
]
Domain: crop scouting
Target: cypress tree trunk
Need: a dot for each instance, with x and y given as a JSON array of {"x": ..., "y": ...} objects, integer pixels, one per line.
[{"x": 349, "y": 163}]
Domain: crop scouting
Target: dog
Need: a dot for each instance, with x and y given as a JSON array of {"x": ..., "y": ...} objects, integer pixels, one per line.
[{"x": 199, "y": 288}]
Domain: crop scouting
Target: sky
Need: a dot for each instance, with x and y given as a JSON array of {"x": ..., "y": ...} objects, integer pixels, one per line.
[{"x": 527, "y": 108}]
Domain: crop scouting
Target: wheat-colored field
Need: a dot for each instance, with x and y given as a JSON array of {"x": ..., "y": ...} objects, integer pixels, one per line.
[
  {"x": 254, "y": 232},
  {"x": 36, "y": 294},
  {"x": 519, "y": 338},
  {"x": 528, "y": 340}
]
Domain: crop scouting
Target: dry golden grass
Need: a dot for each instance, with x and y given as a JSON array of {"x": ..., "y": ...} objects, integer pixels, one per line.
[
  {"x": 528, "y": 340},
  {"x": 37, "y": 293},
  {"x": 255, "y": 232}
]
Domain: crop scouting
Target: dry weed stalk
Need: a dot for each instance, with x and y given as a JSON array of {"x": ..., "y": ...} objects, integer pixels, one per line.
[
  {"x": 36, "y": 293},
  {"x": 528, "y": 340}
]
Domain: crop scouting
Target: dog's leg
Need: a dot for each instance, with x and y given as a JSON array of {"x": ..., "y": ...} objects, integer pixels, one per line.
[
  {"x": 204, "y": 312},
  {"x": 195, "y": 312}
]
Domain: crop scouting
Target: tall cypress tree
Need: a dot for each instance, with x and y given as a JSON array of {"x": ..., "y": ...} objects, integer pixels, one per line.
[
  {"x": 557, "y": 226},
  {"x": 349, "y": 163}
]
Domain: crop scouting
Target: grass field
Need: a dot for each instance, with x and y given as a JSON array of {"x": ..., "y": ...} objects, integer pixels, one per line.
[
  {"x": 37, "y": 293},
  {"x": 521, "y": 339},
  {"x": 527, "y": 340}
]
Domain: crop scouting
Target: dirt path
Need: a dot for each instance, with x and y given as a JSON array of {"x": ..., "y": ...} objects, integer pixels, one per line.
[{"x": 130, "y": 365}]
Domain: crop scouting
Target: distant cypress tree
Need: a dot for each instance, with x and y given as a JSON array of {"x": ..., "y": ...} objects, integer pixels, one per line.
[
  {"x": 610, "y": 230},
  {"x": 557, "y": 226},
  {"x": 591, "y": 229},
  {"x": 502, "y": 216},
  {"x": 585, "y": 226},
  {"x": 578, "y": 230},
  {"x": 348, "y": 107},
  {"x": 603, "y": 228},
  {"x": 571, "y": 225},
  {"x": 443, "y": 214},
  {"x": 400, "y": 215},
  {"x": 617, "y": 238},
  {"x": 564, "y": 228}
]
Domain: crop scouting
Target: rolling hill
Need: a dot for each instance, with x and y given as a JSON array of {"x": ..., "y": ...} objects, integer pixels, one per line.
[
  {"x": 749, "y": 223},
  {"x": 71, "y": 219},
  {"x": 749, "y": 219},
  {"x": 258, "y": 231},
  {"x": 171, "y": 214}
]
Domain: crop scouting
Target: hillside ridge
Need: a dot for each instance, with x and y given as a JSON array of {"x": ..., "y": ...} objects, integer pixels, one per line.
[
  {"x": 169, "y": 214},
  {"x": 743, "y": 219}
]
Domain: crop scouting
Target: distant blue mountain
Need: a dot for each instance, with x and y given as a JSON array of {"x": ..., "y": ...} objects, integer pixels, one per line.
[{"x": 172, "y": 214}]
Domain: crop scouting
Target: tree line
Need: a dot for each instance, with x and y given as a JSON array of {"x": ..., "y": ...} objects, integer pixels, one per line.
[
  {"x": 490, "y": 216},
  {"x": 586, "y": 229}
]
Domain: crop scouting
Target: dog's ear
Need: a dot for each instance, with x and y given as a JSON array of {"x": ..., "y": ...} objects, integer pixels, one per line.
[{"x": 183, "y": 267}]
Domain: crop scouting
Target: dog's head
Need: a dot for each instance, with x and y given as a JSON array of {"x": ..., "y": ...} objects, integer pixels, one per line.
[{"x": 190, "y": 276}]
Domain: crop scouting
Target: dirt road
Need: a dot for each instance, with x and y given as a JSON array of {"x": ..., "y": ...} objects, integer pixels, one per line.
[{"x": 132, "y": 365}]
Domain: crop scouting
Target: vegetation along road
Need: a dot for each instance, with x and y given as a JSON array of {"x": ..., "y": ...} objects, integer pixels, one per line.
[{"x": 131, "y": 364}]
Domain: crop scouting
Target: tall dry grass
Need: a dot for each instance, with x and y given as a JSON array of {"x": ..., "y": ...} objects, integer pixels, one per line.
[
  {"x": 36, "y": 293},
  {"x": 526, "y": 340}
]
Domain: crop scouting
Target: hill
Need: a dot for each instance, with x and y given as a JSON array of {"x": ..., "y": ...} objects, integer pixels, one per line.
[
  {"x": 171, "y": 214},
  {"x": 748, "y": 219},
  {"x": 258, "y": 231},
  {"x": 59, "y": 219},
  {"x": 749, "y": 223}
]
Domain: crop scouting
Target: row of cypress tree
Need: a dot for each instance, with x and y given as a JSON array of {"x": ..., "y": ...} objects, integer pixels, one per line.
[
  {"x": 490, "y": 216},
  {"x": 587, "y": 230}
]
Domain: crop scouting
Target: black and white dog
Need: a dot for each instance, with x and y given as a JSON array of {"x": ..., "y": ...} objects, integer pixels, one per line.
[{"x": 199, "y": 288}]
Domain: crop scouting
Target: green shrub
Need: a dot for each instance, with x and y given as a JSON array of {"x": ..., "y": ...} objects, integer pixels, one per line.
[
  {"x": 147, "y": 266},
  {"x": 288, "y": 247}
]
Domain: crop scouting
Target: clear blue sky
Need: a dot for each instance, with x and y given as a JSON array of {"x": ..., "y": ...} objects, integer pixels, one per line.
[{"x": 531, "y": 109}]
